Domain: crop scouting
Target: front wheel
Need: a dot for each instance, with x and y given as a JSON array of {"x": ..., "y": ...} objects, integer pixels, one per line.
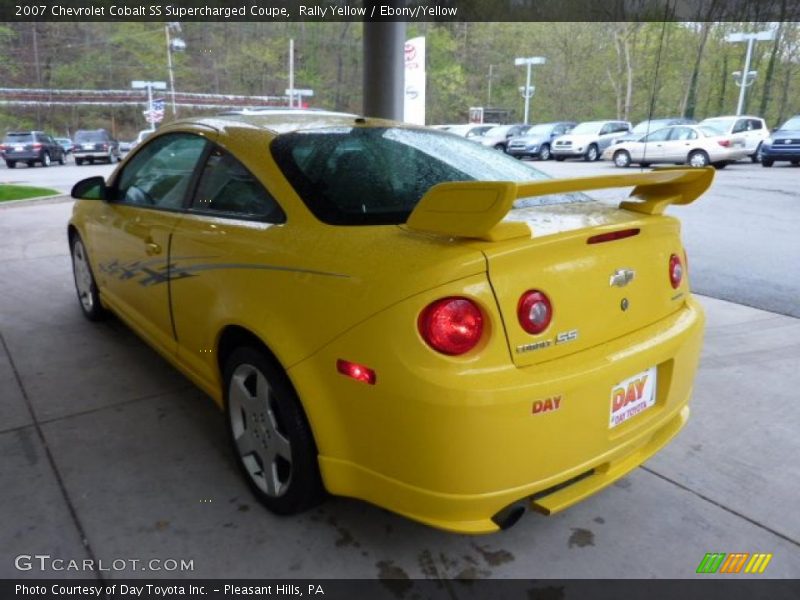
[
  {"x": 591, "y": 154},
  {"x": 544, "y": 152},
  {"x": 768, "y": 162},
  {"x": 11, "y": 164},
  {"x": 78, "y": 161},
  {"x": 698, "y": 158},
  {"x": 85, "y": 284},
  {"x": 62, "y": 159},
  {"x": 622, "y": 158},
  {"x": 269, "y": 432}
]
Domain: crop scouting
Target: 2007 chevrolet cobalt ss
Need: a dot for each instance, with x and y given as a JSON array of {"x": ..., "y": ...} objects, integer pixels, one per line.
[{"x": 397, "y": 314}]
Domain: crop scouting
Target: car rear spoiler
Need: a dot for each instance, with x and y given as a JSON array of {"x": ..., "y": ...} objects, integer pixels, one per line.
[{"x": 475, "y": 209}]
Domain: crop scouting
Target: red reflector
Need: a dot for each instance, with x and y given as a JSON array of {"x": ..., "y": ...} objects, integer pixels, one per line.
[
  {"x": 724, "y": 143},
  {"x": 534, "y": 311},
  {"x": 612, "y": 235},
  {"x": 356, "y": 371},
  {"x": 451, "y": 325},
  {"x": 675, "y": 271}
]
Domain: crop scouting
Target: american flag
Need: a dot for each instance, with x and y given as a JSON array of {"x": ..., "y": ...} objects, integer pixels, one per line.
[{"x": 156, "y": 115}]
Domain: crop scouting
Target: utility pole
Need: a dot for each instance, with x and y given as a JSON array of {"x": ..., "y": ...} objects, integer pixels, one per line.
[
  {"x": 489, "y": 95},
  {"x": 527, "y": 91},
  {"x": 291, "y": 73}
]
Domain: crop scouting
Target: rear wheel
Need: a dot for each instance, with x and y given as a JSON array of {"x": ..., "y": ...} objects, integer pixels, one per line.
[
  {"x": 544, "y": 152},
  {"x": 78, "y": 161},
  {"x": 795, "y": 162},
  {"x": 270, "y": 434},
  {"x": 768, "y": 162},
  {"x": 85, "y": 284},
  {"x": 62, "y": 159},
  {"x": 698, "y": 158},
  {"x": 721, "y": 165},
  {"x": 592, "y": 153},
  {"x": 756, "y": 156},
  {"x": 45, "y": 159},
  {"x": 622, "y": 158},
  {"x": 11, "y": 164}
]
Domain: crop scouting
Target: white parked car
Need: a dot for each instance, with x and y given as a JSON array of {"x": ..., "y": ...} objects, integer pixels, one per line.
[
  {"x": 696, "y": 145},
  {"x": 471, "y": 130},
  {"x": 588, "y": 140},
  {"x": 751, "y": 130}
]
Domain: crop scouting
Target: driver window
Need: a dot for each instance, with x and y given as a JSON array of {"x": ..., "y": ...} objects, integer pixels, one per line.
[
  {"x": 159, "y": 174},
  {"x": 741, "y": 125},
  {"x": 683, "y": 133}
]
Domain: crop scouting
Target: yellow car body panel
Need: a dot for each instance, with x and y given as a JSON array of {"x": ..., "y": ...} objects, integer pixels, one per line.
[{"x": 447, "y": 440}]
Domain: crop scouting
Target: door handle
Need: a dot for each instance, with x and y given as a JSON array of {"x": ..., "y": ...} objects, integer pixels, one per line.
[{"x": 151, "y": 248}]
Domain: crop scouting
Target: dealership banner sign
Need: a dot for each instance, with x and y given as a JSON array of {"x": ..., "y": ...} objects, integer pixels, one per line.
[{"x": 414, "y": 99}]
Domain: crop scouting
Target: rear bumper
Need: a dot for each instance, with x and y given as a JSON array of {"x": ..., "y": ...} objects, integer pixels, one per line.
[
  {"x": 91, "y": 154},
  {"x": 22, "y": 156},
  {"x": 453, "y": 449}
]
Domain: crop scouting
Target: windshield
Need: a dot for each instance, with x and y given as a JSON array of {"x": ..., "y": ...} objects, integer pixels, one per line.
[
  {"x": 19, "y": 138},
  {"x": 91, "y": 136},
  {"x": 723, "y": 124},
  {"x": 792, "y": 124},
  {"x": 543, "y": 129},
  {"x": 499, "y": 131},
  {"x": 650, "y": 126},
  {"x": 370, "y": 175},
  {"x": 588, "y": 127}
]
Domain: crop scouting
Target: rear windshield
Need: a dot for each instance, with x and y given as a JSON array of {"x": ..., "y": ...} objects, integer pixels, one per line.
[
  {"x": 371, "y": 176},
  {"x": 91, "y": 136},
  {"x": 19, "y": 138}
]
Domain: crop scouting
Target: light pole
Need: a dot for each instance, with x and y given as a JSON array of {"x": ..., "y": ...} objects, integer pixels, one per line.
[
  {"x": 149, "y": 86},
  {"x": 527, "y": 92},
  {"x": 747, "y": 77},
  {"x": 174, "y": 44}
]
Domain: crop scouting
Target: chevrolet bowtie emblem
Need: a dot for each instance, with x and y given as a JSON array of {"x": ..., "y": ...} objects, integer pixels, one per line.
[{"x": 621, "y": 277}]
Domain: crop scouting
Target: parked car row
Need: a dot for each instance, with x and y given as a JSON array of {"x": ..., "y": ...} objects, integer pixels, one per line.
[
  {"x": 716, "y": 141},
  {"x": 32, "y": 147}
]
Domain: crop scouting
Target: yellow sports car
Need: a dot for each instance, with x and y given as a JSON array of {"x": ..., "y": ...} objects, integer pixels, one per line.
[{"x": 397, "y": 314}]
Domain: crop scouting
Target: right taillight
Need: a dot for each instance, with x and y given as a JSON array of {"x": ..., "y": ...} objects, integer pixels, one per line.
[
  {"x": 452, "y": 325},
  {"x": 675, "y": 271},
  {"x": 724, "y": 143},
  {"x": 534, "y": 311}
]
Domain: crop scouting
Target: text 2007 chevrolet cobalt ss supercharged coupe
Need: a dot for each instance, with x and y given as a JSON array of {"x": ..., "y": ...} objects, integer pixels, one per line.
[{"x": 400, "y": 315}]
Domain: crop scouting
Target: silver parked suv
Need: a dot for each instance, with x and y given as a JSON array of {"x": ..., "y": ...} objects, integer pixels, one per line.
[{"x": 588, "y": 140}]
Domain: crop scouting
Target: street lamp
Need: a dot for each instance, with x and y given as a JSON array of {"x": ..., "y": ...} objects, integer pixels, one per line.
[
  {"x": 527, "y": 91},
  {"x": 174, "y": 44},
  {"x": 747, "y": 80}
]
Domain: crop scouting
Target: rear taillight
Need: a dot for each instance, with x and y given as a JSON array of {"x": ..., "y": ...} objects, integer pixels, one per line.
[
  {"x": 612, "y": 235},
  {"x": 724, "y": 143},
  {"x": 37, "y": 146},
  {"x": 534, "y": 311},
  {"x": 451, "y": 326},
  {"x": 675, "y": 271}
]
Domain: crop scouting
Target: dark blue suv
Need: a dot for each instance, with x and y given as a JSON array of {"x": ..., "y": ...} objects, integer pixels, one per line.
[{"x": 783, "y": 144}]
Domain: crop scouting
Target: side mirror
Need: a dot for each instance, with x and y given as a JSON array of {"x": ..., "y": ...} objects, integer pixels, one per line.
[{"x": 92, "y": 188}]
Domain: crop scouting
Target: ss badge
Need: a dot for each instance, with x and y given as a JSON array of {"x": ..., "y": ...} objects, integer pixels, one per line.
[{"x": 567, "y": 336}]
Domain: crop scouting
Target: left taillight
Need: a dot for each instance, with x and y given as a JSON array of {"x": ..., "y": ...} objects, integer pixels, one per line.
[
  {"x": 452, "y": 326},
  {"x": 675, "y": 271}
]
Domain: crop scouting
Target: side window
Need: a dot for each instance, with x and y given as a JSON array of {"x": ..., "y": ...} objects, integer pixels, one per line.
[
  {"x": 683, "y": 133},
  {"x": 228, "y": 188},
  {"x": 755, "y": 124},
  {"x": 741, "y": 125},
  {"x": 159, "y": 174},
  {"x": 607, "y": 128},
  {"x": 658, "y": 136}
]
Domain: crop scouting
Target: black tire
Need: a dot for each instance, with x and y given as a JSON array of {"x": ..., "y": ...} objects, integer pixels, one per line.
[
  {"x": 276, "y": 424},
  {"x": 45, "y": 160},
  {"x": 755, "y": 157},
  {"x": 91, "y": 161},
  {"x": 767, "y": 162},
  {"x": 78, "y": 161},
  {"x": 11, "y": 164},
  {"x": 30, "y": 163},
  {"x": 698, "y": 159},
  {"x": 85, "y": 284},
  {"x": 500, "y": 147},
  {"x": 644, "y": 165},
  {"x": 721, "y": 165},
  {"x": 62, "y": 159},
  {"x": 622, "y": 159},
  {"x": 559, "y": 158},
  {"x": 544, "y": 152},
  {"x": 795, "y": 162},
  {"x": 592, "y": 153}
]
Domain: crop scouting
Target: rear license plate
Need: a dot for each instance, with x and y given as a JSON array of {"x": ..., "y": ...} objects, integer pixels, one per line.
[
  {"x": 18, "y": 148},
  {"x": 632, "y": 396}
]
